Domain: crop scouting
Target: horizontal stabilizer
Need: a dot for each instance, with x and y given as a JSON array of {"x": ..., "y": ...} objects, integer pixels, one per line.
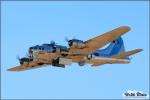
[
  {"x": 100, "y": 61},
  {"x": 126, "y": 54}
]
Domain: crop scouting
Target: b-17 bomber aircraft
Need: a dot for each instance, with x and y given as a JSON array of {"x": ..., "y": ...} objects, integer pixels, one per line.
[{"x": 78, "y": 51}]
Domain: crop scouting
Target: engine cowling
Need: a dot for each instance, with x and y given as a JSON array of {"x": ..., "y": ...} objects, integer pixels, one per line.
[
  {"x": 74, "y": 43},
  {"x": 59, "y": 48},
  {"x": 24, "y": 60}
]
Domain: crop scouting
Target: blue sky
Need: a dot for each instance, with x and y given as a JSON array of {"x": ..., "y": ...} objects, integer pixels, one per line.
[{"x": 25, "y": 24}]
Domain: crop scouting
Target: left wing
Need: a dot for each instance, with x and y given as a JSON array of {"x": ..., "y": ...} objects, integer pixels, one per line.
[{"x": 100, "y": 41}]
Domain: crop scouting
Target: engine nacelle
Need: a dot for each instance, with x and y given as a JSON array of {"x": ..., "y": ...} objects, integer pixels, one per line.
[
  {"x": 59, "y": 48},
  {"x": 74, "y": 43},
  {"x": 24, "y": 61}
]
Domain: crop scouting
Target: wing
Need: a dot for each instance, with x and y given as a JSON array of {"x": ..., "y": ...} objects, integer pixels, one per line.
[
  {"x": 100, "y": 41},
  {"x": 25, "y": 67},
  {"x": 45, "y": 58}
]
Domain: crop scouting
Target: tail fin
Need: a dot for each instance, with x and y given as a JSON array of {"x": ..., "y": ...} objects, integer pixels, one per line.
[{"x": 115, "y": 47}]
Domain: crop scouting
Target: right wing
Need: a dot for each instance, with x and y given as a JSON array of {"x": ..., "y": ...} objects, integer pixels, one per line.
[
  {"x": 25, "y": 67},
  {"x": 100, "y": 41},
  {"x": 44, "y": 57}
]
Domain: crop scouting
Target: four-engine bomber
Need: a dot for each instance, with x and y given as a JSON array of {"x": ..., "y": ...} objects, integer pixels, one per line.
[{"x": 78, "y": 51}]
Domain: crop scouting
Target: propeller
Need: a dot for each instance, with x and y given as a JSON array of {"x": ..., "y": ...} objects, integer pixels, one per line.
[
  {"x": 69, "y": 40},
  {"x": 66, "y": 39},
  {"x": 18, "y": 58},
  {"x": 24, "y": 59},
  {"x": 74, "y": 37},
  {"x": 27, "y": 55}
]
